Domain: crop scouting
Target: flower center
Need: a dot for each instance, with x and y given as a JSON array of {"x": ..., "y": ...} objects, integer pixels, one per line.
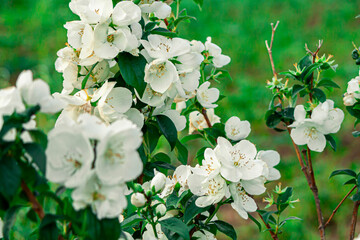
[{"x": 110, "y": 38}]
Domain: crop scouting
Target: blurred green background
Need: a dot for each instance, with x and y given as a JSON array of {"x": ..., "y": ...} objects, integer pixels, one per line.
[{"x": 31, "y": 32}]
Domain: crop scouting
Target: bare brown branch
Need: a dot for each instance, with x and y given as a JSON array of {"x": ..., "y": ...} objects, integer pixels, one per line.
[
  {"x": 338, "y": 206},
  {"x": 354, "y": 219},
  {"x": 273, "y": 235},
  {"x": 269, "y": 48},
  {"x": 36, "y": 206}
]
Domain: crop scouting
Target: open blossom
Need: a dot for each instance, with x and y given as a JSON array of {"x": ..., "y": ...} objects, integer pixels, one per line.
[
  {"x": 117, "y": 156},
  {"x": 92, "y": 11},
  {"x": 180, "y": 175},
  {"x": 160, "y": 47},
  {"x": 238, "y": 161},
  {"x": 242, "y": 202},
  {"x": 160, "y": 74},
  {"x": 209, "y": 190},
  {"x": 160, "y": 9},
  {"x": 198, "y": 122},
  {"x": 236, "y": 129},
  {"x": 210, "y": 165},
  {"x": 352, "y": 92},
  {"x": 325, "y": 119},
  {"x": 204, "y": 235},
  {"x": 214, "y": 50},
  {"x": 37, "y": 92},
  {"x": 270, "y": 158},
  {"x": 207, "y": 96},
  {"x": 126, "y": 13},
  {"x": 105, "y": 201},
  {"x": 81, "y": 36},
  {"x": 149, "y": 233},
  {"x": 69, "y": 157}
]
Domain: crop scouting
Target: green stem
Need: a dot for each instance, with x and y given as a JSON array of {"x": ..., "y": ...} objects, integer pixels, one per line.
[
  {"x": 213, "y": 214},
  {"x": 83, "y": 83}
]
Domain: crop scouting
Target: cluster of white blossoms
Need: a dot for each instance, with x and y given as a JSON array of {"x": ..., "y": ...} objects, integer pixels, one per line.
[
  {"x": 226, "y": 171},
  {"x": 96, "y": 160},
  {"x": 324, "y": 120},
  {"x": 27, "y": 93},
  {"x": 352, "y": 94}
]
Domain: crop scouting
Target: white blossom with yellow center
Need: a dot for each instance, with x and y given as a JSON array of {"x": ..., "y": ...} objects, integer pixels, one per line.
[
  {"x": 160, "y": 74},
  {"x": 242, "y": 202},
  {"x": 207, "y": 96}
]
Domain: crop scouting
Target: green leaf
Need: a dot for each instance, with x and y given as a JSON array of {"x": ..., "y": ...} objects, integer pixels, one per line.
[
  {"x": 108, "y": 229},
  {"x": 191, "y": 137},
  {"x": 327, "y": 82},
  {"x": 181, "y": 152},
  {"x": 48, "y": 229},
  {"x": 255, "y": 221},
  {"x": 10, "y": 177},
  {"x": 162, "y": 157},
  {"x": 163, "y": 165},
  {"x": 319, "y": 94},
  {"x": 9, "y": 220},
  {"x": 132, "y": 69},
  {"x": 39, "y": 137},
  {"x": 356, "y": 197},
  {"x": 225, "y": 228},
  {"x": 348, "y": 172},
  {"x": 163, "y": 32},
  {"x": 168, "y": 128},
  {"x": 37, "y": 154},
  {"x": 151, "y": 136},
  {"x": 192, "y": 210},
  {"x": 177, "y": 226},
  {"x": 150, "y": 26},
  {"x": 306, "y": 61},
  {"x": 351, "y": 181},
  {"x": 331, "y": 141},
  {"x": 131, "y": 221},
  {"x": 273, "y": 119},
  {"x": 296, "y": 89},
  {"x": 183, "y": 18},
  {"x": 200, "y": 154}
]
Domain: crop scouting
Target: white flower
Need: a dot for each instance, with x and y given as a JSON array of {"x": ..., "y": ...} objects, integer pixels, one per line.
[
  {"x": 105, "y": 201},
  {"x": 325, "y": 119},
  {"x": 92, "y": 11},
  {"x": 37, "y": 92},
  {"x": 210, "y": 165},
  {"x": 127, "y": 236},
  {"x": 270, "y": 158},
  {"x": 237, "y": 130},
  {"x": 10, "y": 101},
  {"x": 149, "y": 233},
  {"x": 354, "y": 87},
  {"x": 238, "y": 161},
  {"x": 126, "y": 13},
  {"x": 189, "y": 62},
  {"x": 242, "y": 202},
  {"x": 138, "y": 200},
  {"x": 158, "y": 181},
  {"x": 349, "y": 99},
  {"x": 219, "y": 60},
  {"x": 207, "y": 96},
  {"x": 160, "y": 9},
  {"x": 114, "y": 104},
  {"x": 160, "y": 74},
  {"x": 117, "y": 156},
  {"x": 152, "y": 98},
  {"x": 209, "y": 190},
  {"x": 198, "y": 122},
  {"x": 109, "y": 42},
  {"x": 81, "y": 36},
  {"x": 180, "y": 175},
  {"x": 69, "y": 157},
  {"x": 160, "y": 47},
  {"x": 254, "y": 186},
  {"x": 204, "y": 235}
]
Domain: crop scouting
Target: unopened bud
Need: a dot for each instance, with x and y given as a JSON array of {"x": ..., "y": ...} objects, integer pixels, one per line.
[
  {"x": 138, "y": 200},
  {"x": 158, "y": 182}
]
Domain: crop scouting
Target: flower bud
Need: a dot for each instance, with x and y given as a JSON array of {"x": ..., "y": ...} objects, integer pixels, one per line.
[
  {"x": 160, "y": 210},
  {"x": 138, "y": 200},
  {"x": 158, "y": 182}
]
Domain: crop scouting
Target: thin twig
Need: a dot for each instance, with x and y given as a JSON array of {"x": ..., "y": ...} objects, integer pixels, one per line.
[
  {"x": 269, "y": 48},
  {"x": 36, "y": 206},
  {"x": 309, "y": 175},
  {"x": 338, "y": 206},
  {"x": 273, "y": 235},
  {"x": 313, "y": 54},
  {"x": 354, "y": 219},
  {"x": 203, "y": 111}
]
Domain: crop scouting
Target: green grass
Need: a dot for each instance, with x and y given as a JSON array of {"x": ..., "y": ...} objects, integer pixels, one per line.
[{"x": 31, "y": 32}]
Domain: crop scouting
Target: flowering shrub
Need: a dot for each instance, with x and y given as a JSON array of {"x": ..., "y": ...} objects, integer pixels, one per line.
[{"x": 130, "y": 84}]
